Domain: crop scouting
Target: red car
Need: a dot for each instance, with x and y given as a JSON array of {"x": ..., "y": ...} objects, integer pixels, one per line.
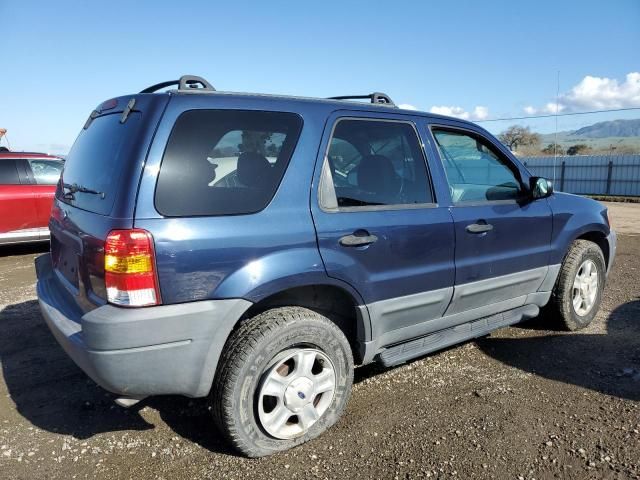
[{"x": 27, "y": 185}]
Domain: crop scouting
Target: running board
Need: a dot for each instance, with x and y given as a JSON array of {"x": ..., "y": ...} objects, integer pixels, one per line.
[{"x": 403, "y": 352}]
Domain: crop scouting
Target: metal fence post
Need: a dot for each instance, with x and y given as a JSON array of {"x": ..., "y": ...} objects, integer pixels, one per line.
[
  {"x": 609, "y": 171},
  {"x": 590, "y": 174}
]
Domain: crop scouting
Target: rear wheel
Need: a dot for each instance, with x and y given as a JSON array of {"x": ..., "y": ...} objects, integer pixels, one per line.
[
  {"x": 284, "y": 378},
  {"x": 578, "y": 291}
]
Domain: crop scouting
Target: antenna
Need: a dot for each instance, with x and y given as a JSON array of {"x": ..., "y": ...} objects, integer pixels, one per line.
[{"x": 555, "y": 142}]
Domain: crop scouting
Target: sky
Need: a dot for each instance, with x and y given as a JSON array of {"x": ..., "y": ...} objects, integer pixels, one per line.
[{"x": 475, "y": 59}]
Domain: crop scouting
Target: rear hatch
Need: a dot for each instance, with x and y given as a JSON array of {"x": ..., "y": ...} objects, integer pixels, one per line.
[{"x": 97, "y": 190}]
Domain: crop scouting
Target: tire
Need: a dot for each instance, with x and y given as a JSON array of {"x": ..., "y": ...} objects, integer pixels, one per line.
[
  {"x": 581, "y": 254},
  {"x": 284, "y": 346}
]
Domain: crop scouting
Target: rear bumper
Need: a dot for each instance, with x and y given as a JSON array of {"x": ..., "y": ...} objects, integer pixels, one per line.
[
  {"x": 170, "y": 349},
  {"x": 612, "y": 238}
]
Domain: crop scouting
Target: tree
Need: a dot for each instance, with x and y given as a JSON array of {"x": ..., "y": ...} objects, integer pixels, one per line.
[
  {"x": 552, "y": 149},
  {"x": 578, "y": 149},
  {"x": 517, "y": 135},
  {"x": 254, "y": 142}
]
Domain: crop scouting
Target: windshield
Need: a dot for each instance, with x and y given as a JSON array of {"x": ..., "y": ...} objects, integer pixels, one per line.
[{"x": 96, "y": 161}]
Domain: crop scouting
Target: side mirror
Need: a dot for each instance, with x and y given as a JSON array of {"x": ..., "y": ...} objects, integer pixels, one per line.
[{"x": 540, "y": 187}]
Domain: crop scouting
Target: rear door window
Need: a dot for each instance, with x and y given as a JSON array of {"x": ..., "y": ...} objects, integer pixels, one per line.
[
  {"x": 225, "y": 162},
  {"x": 377, "y": 163},
  {"x": 8, "y": 172},
  {"x": 97, "y": 159}
]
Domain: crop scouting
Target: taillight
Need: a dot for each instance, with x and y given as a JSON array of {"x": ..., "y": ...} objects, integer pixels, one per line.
[{"x": 129, "y": 268}]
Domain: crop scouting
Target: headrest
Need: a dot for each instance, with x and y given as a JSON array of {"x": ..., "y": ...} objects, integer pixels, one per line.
[
  {"x": 253, "y": 169},
  {"x": 377, "y": 175}
]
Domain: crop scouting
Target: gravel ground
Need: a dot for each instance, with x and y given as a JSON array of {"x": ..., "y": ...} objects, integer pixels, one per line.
[{"x": 525, "y": 402}]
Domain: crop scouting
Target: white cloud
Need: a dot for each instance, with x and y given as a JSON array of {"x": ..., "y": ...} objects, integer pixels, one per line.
[
  {"x": 478, "y": 113},
  {"x": 450, "y": 111},
  {"x": 596, "y": 93},
  {"x": 553, "y": 107},
  {"x": 407, "y": 106},
  {"x": 549, "y": 108}
]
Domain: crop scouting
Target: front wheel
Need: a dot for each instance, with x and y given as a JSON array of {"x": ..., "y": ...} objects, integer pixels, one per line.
[
  {"x": 284, "y": 378},
  {"x": 578, "y": 291}
]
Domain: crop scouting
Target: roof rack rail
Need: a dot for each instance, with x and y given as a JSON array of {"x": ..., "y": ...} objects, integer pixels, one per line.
[
  {"x": 187, "y": 83},
  {"x": 375, "y": 97}
]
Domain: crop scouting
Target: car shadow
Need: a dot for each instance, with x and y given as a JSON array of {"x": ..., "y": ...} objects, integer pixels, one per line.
[
  {"x": 47, "y": 388},
  {"x": 608, "y": 362},
  {"x": 23, "y": 249},
  {"x": 191, "y": 419}
]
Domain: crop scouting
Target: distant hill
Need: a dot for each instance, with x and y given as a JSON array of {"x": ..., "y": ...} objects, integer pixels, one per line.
[
  {"x": 613, "y": 128},
  {"x": 615, "y": 136}
]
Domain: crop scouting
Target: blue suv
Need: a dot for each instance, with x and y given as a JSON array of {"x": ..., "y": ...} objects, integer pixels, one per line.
[{"x": 252, "y": 249}]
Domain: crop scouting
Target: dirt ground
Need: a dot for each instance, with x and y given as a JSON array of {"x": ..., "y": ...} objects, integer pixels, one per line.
[
  {"x": 625, "y": 217},
  {"x": 525, "y": 402}
]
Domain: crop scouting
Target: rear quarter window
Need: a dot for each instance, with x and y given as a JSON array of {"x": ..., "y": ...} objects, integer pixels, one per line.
[
  {"x": 225, "y": 162},
  {"x": 46, "y": 172}
]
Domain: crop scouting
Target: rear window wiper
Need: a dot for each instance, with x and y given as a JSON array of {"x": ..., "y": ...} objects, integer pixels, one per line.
[{"x": 75, "y": 188}]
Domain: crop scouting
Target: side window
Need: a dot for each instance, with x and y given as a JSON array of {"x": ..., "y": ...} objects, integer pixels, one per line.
[
  {"x": 377, "y": 163},
  {"x": 225, "y": 162},
  {"x": 224, "y": 156},
  {"x": 475, "y": 171},
  {"x": 46, "y": 172},
  {"x": 8, "y": 172}
]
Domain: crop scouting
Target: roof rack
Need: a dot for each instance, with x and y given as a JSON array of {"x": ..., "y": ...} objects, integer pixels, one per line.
[
  {"x": 193, "y": 83},
  {"x": 187, "y": 83},
  {"x": 375, "y": 97}
]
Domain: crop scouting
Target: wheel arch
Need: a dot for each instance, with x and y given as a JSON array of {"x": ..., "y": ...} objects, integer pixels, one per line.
[
  {"x": 567, "y": 234},
  {"x": 600, "y": 239},
  {"x": 339, "y": 303}
]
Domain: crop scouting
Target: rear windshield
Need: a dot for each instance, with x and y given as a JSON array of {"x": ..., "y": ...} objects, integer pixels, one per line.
[
  {"x": 225, "y": 162},
  {"x": 96, "y": 161}
]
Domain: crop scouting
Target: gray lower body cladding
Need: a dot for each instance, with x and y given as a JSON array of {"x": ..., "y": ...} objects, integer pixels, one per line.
[
  {"x": 448, "y": 313},
  {"x": 402, "y": 352},
  {"x": 171, "y": 349}
]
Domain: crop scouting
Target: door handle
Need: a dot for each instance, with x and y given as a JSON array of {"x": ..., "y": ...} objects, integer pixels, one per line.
[
  {"x": 358, "y": 238},
  {"x": 479, "y": 228}
]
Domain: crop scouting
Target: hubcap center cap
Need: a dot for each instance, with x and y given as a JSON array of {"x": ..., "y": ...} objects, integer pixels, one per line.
[{"x": 298, "y": 394}]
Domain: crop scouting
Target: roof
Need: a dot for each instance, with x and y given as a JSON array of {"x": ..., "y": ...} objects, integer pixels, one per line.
[
  {"x": 29, "y": 155},
  {"x": 338, "y": 104}
]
